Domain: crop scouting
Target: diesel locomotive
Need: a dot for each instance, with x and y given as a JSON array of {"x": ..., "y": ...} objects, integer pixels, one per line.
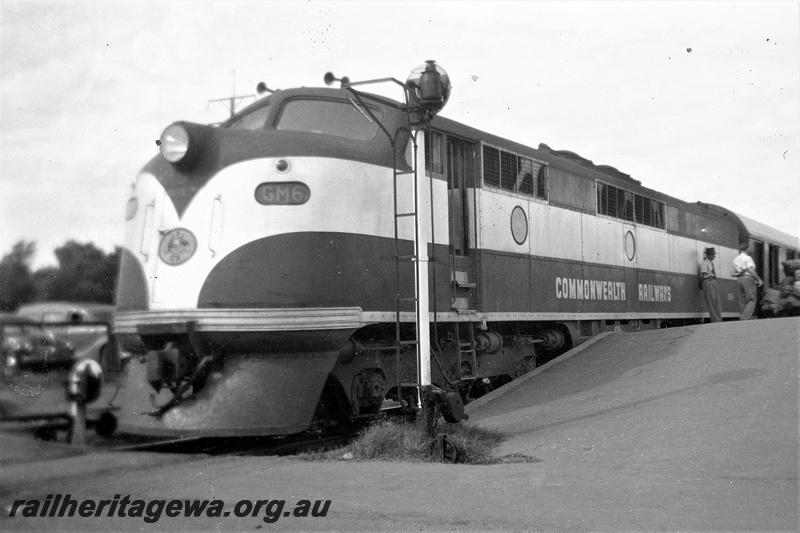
[{"x": 271, "y": 280}]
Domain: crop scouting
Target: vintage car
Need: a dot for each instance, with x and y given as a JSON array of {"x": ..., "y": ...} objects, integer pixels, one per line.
[
  {"x": 38, "y": 367},
  {"x": 86, "y": 326},
  {"x": 27, "y": 346}
]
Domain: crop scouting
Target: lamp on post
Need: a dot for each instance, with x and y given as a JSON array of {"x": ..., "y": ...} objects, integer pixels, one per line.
[{"x": 429, "y": 87}]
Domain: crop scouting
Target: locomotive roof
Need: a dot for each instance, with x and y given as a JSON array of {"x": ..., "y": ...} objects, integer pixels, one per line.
[
  {"x": 572, "y": 163},
  {"x": 544, "y": 152}
]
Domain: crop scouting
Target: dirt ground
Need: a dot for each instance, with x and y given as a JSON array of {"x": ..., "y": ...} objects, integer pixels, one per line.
[{"x": 688, "y": 429}]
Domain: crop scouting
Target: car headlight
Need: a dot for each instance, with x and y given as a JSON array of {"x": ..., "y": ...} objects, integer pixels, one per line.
[
  {"x": 11, "y": 362},
  {"x": 174, "y": 143}
]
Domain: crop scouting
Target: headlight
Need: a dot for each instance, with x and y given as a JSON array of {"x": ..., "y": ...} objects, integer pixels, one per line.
[
  {"x": 174, "y": 143},
  {"x": 11, "y": 362}
]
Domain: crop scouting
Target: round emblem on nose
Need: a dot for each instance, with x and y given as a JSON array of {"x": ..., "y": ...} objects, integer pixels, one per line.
[{"x": 177, "y": 246}]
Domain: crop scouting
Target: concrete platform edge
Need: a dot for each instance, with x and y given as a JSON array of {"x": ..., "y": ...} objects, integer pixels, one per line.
[{"x": 483, "y": 400}]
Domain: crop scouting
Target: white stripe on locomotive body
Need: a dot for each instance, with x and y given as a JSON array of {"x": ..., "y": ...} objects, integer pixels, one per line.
[
  {"x": 346, "y": 197},
  {"x": 559, "y": 233},
  {"x": 353, "y": 197}
]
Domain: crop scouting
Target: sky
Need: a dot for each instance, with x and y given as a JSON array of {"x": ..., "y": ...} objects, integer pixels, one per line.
[{"x": 698, "y": 100}]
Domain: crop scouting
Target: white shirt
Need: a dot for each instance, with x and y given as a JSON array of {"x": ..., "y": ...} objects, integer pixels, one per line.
[{"x": 743, "y": 262}]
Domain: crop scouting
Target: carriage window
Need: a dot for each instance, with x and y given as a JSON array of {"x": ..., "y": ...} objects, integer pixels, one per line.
[{"x": 329, "y": 117}]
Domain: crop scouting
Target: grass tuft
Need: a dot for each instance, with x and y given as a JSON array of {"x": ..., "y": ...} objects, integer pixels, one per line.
[
  {"x": 392, "y": 441},
  {"x": 397, "y": 440}
]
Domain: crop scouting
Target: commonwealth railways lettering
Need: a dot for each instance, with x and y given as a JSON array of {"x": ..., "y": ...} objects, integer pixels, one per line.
[
  {"x": 594, "y": 289},
  {"x": 589, "y": 289}
]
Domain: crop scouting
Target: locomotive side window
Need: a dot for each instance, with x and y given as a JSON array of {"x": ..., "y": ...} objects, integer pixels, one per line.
[
  {"x": 491, "y": 166},
  {"x": 625, "y": 205},
  {"x": 657, "y": 215},
  {"x": 524, "y": 183},
  {"x": 253, "y": 120},
  {"x": 643, "y": 211},
  {"x": 614, "y": 202},
  {"x": 619, "y": 203},
  {"x": 541, "y": 182},
  {"x": 508, "y": 171},
  {"x": 514, "y": 173},
  {"x": 329, "y": 117}
]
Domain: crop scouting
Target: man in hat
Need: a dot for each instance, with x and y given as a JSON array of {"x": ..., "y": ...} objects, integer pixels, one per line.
[
  {"x": 708, "y": 278},
  {"x": 744, "y": 269}
]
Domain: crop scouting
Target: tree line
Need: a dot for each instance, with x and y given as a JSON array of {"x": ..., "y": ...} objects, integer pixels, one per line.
[{"x": 84, "y": 273}]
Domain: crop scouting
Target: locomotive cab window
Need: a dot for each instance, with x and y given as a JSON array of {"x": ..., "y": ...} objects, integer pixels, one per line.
[
  {"x": 330, "y": 117},
  {"x": 252, "y": 120}
]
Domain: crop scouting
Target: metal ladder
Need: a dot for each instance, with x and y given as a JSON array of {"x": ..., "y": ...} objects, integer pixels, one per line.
[
  {"x": 466, "y": 350},
  {"x": 402, "y": 296}
]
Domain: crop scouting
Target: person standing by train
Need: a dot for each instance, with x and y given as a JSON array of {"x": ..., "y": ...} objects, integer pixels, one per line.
[
  {"x": 708, "y": 280},
  {"x": 789, "y": 288},
  {"x": 744, "y": 269}
]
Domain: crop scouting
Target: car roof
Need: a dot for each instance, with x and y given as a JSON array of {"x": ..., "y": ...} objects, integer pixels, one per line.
[
  {"x": 10, "y": 318},
  {"x": 47, "y": 311}
]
